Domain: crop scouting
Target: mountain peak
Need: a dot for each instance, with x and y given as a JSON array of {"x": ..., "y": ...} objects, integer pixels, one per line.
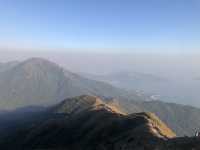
[
  {"x": 37, "y": 65},
  {"x": 84, "y": 102},
  {"x": 80, "y": 104},
  {"x": 44, "y": 82},
  {"x": 38, "y": 61}
]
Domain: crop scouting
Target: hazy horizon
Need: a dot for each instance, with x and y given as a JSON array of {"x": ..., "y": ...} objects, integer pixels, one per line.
[
  {"x": 159, "y": 38},
  {"x": 100, "y": 74}
]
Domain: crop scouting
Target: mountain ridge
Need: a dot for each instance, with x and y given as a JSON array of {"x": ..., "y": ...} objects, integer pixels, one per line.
[
  {"x": 99, "y": 129},
  {"x": 46, "y": 86},
  {"x": 42, "y": 81}
]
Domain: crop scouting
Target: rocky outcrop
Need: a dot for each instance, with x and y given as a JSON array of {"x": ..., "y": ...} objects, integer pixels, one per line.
[{"x": 86, "y": 122}]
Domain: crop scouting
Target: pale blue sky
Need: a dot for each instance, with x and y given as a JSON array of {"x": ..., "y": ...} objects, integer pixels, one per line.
[{"x": 150, "y": 25}]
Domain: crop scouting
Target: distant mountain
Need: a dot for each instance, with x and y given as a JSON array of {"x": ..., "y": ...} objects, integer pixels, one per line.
[
  {"x": 178, "y": 90},
  {"x": 40, "y": 82},
  {"x": 37, "y": 82},
  {"x": 128, "y": 80},
  {"x": 86, "y": 122}
]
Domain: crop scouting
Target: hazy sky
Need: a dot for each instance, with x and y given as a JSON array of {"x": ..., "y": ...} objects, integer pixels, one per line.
[{"x": 142, "y": 25}]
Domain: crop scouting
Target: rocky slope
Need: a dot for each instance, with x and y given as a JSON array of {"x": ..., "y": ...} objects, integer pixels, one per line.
[
  {"x": 86, "y": 122},
  {"x": 184, "y": 120},
  {"x": 40, "y": 82}
]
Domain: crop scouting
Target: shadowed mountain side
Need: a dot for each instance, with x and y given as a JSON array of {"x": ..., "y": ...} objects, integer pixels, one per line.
[
  {"x": 39, "y": 82},
  {"x": 86, "y": 122}
]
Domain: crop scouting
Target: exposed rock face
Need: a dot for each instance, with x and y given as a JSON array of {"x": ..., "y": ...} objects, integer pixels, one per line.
[{"x": 86, "y": 122}]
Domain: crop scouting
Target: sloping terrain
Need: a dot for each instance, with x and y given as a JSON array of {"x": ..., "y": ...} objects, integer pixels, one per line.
[
  {"x": 184, "y": 120},
  {"x": 86, "y": 122},
  {"x": 40, "y": 82}
]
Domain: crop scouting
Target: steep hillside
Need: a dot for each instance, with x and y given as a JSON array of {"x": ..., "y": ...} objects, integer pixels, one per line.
[
  {"x": 184, "y": 120},
  {"x": 40, "y": 82},
  {"x": 89, "y": 123},
  {"x": 37, "y": 81}
]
